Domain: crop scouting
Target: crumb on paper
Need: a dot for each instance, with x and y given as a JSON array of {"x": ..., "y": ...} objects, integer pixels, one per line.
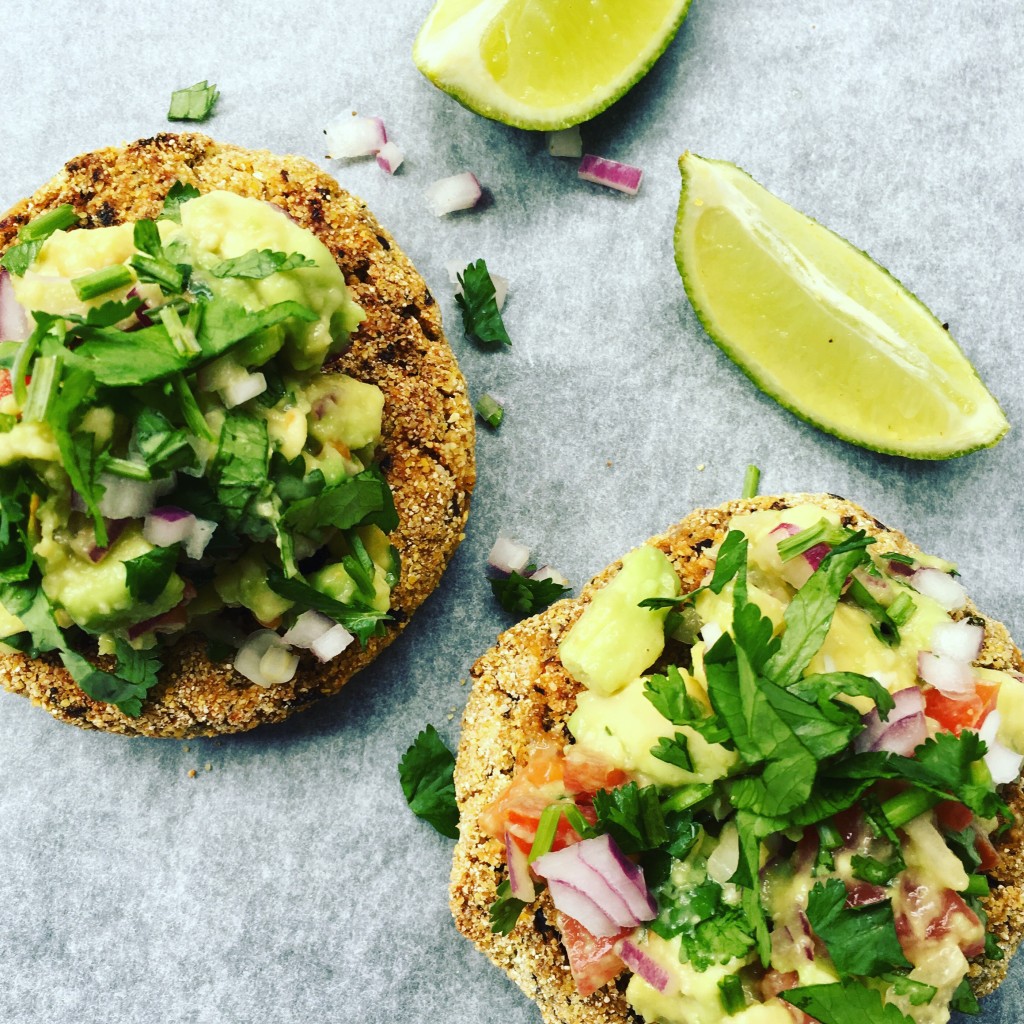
[
  {"x": 186, "y": 748},
  {"x": 701, "y": 467},
  {"x": 609, "y": 464},
  {"x": 191, "y": 773},
  {"x": 207, "y": 767}
]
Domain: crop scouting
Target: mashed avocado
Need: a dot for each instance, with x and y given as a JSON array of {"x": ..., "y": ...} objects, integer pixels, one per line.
[{"x": 170, "y": 450}]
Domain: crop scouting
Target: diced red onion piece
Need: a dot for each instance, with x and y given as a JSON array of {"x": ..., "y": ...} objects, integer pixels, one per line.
[
  {"x": 243, "y": 389},
  {"x": 1003, "y": 763},
  {"x": 593, "y": 879},
  {"x": 458, "y": 192},
  {"x": 13, "y": 321},
  {"x": 390, "y": 158},
  {"x": 508, "y": 556},
  {"x": 115, "y": 527},
  {"x": 352, "y": 137},
  {"x": 905, "y": 729},
  {"x": 566, "y": 142},
  {"x": 547, "y": 572},
  {"x": 520, "y": 882},
  {"x": 960, "y": 640},
  {"x": 265, "y": 660},
  {"x": 623, "y": 177},
  {"x": 332, "y": 643},
  {"x": 940, "y": 587},
  {"x": 125, "y": 498},
  {"x": 950, "y": 677},
  {"x": 897, "y": 568},
  {"x": 640, "y": 962},
  {"x": 168, "y": 525},
  {"x": 308, "y": 627},
  {"x": 620, "y": 874},
  {"x": 577, "y": 904}
]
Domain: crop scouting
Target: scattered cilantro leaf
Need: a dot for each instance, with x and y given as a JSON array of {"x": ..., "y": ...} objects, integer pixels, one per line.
[
  {"x": 505, "y": 910},
  {"x": 632, "y": 816},
  {"x": 674, "y": 751},
  {"x": 225, "y": 323},
  {"x": 240, "y": 467},
  {"x": 523, "y": 595},
  {"x": 964, "y": 1000},
  {"x": 257, "y": 264},
  {"x": 123, "y": 359},
  {"x": 425, "y": 772},
  {"x": 875, "y": 871},
  {"x": 363, "y": 499},
  {"x": 480, "y": 314},
  {"x": 177, "y": 195},
  {"x": 194, "y": 103},
  {"x": 917, "y": 992},
  {"x": 670, "y": 697}
]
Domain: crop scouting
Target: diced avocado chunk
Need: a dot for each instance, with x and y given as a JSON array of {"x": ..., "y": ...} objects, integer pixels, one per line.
[
  {"x": 95, "y": 594},
  {"x": 245, "y": 583},
  {"x": 615, "y": 640},
  {"x": 1010, "y": 705}
]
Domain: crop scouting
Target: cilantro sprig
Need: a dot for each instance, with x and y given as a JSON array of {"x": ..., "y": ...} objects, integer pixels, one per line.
[
  {"x": 426, "y": 774},
  {"x": 480, "y": 314}
]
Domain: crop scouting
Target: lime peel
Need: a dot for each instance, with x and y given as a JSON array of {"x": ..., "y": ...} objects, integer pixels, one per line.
[
  {"x": 822, "y": 328},
  {"x": 543, "y": 64}
]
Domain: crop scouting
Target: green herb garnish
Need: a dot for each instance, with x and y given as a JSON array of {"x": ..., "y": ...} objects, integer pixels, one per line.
[
  {"x": 490, "y": 410},
  {"x": 194, "y": 103},
  {"x": 426, "y": 774},
  {"x": 523, "y": 595},
  {"x": 480, "y": 314}
]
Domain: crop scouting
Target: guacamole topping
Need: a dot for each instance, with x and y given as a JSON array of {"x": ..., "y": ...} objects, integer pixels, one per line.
[
  {"x": 786, "y": 807},
  {"x": 172, "y": 459}
]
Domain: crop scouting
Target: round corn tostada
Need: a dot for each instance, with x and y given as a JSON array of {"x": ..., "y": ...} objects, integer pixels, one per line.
[
  {"x": 654, "y": 827},
  {"x": 421, "y": 451}
]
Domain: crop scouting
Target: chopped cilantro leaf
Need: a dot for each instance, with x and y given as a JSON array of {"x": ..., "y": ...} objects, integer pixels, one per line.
[
  {"x": 860, "y": 942},
  {"x": 480, "y": 314},
  {"x": 670, "y": 697},
  {"x": 225, "y": 323},
  {"x": 177, "y": 195},
  {"x": 875, "y": 871},
  {"x": 917, "y": 992},
  {"x": 194, "y": 103},
  {"x": 964, "y": 1000},
  {"x": 257, "y": 264},
  {"x": 127, "y": 358},
  {"x": 359, "y": 619},
  {"x": 425, "y": 772},
  {"x": 632, "y": 816},
  {"x": 523, "y": 595},
  {"x": 148, "y": 574},
  {"x": 363, "y": 499},
  {"x": 674, "y": 751},
  {"x": 505, "y": 910},
  {"x": 241, "y": 464},
  {"x": 845, "y": 1002}
]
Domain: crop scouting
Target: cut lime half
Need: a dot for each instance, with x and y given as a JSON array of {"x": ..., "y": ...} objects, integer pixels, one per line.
[
  {"x": 821, "y": 327},
  {"x": 543, "y": 64}
]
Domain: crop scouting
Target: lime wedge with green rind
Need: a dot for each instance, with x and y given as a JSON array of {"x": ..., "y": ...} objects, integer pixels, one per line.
[
  {"x": 543, "y": 64},
  {"x": 821, "y": 327}
]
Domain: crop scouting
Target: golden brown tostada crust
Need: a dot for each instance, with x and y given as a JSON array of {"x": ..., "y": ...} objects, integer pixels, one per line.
[
  {"x": 427, "y": 451},
  {"x": 521, "y": 692}
]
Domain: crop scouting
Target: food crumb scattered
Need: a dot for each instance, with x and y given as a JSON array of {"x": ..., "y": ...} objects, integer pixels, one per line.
[
  {"x": 186, "y": 748},
  {"x": 191, "y": 773},
  {"x": 609, "y": 463},
  {"x": 207, "y": 767},
  {"x": 701, "y": 467}
]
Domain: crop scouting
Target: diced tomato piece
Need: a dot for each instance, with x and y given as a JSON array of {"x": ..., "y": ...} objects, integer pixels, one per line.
[
  {"x": 592, "y": 960},
  {"x": 958, "y": 918},
  {"x": 5, "y": 383},
  {"x": 587, "y": 773},
  {"x": 953, "y": 816},
  {"x": 928, "y": 915},
  {"x": 956, "y": 715},
  {"x": 986, "y": 851}
]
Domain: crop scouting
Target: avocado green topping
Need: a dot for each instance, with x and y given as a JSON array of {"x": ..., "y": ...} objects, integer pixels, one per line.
[{"x": 176, "y": 363}]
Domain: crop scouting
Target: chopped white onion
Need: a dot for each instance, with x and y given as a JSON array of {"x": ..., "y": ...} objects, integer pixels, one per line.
[
  {"x": 623, "y": 177},
  {"x": 167, "y": 525},
  {"x": 390, "y": 158},
  {"x": 508, "y": 556},
  {"x": 13, "y": 321},
  {"x": 725, "y": 857},
  {"x": 308, "y": 627},
  {"x": 351, "y": 137},
  {"x": 458, "y": 192},
  {"x": 960, "y": 641},
  {"x": 243, "y": 389},
  {"x": 457, "y": 267},
  {"x": 710, "y": 633},
  {"x": 950, "y": 677},
  {"x": 594, "y": 883},
  {"x": 125, "y": 498},
  {"x": 940, "y": 587},
  {"x": 520, "y": 882},
  {"x": 265, "y": 660},
  {"x": 1003, "y": 763},
  {"x": 202, "y": 532},
  {"x": 332, "y": 643},
  {"x": 641, "y": 963},
  {"x": 547, "y": 572},
  {"x": 566, "y": 142}
]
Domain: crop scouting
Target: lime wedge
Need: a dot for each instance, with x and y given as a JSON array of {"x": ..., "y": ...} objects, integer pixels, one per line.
[
  {"x": 543, "y": 64},
  {"x": 821, "y": 327}
]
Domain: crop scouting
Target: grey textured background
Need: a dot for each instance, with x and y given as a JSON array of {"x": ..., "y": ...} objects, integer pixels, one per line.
[{"x": 288, "y": 883}]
